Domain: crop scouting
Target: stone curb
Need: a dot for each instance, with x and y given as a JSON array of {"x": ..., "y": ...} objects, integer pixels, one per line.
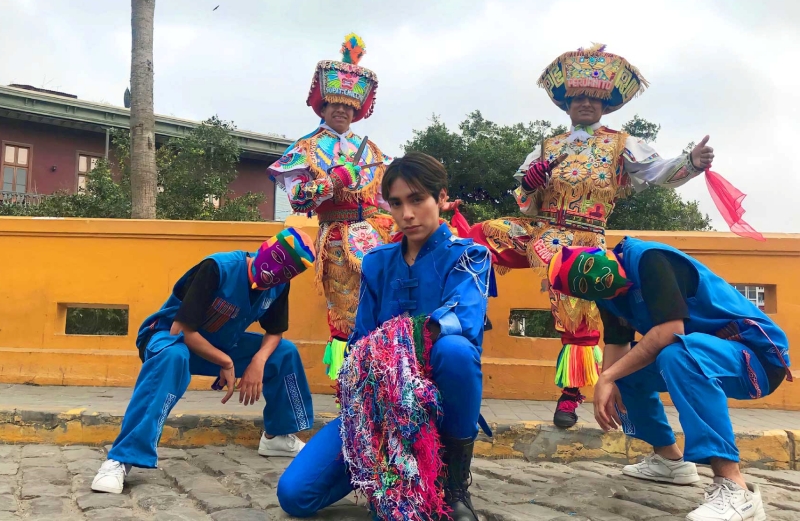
[{"x": 533, "y": 441}]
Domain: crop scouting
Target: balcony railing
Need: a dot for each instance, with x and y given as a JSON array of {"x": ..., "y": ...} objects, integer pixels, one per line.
[{"x": 21, "y": 198}]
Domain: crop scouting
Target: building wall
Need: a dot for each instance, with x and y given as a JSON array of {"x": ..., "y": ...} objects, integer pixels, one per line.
[
  {"x": 52, "y": 146},
  {"x": 58, "y": 146},
  {"x": 150, "y": 256},
  {"x": 253, "y": 177}
]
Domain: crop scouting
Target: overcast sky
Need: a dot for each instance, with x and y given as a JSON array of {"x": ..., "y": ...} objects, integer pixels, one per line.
[{"x": 718, "y": 67}]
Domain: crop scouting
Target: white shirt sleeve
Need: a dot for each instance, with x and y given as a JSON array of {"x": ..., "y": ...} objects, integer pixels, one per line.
[{"x": 646, "y": 168}]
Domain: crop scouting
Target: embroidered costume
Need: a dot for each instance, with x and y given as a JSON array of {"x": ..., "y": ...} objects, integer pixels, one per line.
[
  {"x": 572, "y": 206},
  {"x": 729, "y": 349},
  {"x": 449, "y": 284},
  {"x": 349, "y": 207}
]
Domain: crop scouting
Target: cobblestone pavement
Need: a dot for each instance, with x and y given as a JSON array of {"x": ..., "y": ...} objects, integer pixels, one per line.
[{"x": 235, "y": 484}]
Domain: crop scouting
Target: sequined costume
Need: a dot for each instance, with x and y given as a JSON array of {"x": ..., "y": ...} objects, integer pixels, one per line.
[
  {"x": 352, "y": 217},
  {"x": 600, "y": 166}
]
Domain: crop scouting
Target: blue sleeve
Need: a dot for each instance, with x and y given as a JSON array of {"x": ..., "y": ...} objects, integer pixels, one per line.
[
  {"x": 465, "y": 295},
  {"x": 367, "y": 313}
]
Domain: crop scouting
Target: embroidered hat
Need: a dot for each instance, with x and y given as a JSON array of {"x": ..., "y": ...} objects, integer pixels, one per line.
[
  {"x": 590, "y": 273},
  {"x": 344, "y": 81},
  {"x": 595, "y": 73},
  {"x": 280, "y": 258}
]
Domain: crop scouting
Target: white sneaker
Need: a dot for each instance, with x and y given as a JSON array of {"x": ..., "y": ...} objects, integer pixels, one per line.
[
  {"x": 656, "y": 468},
  {"x": 287, "y": 445},
  {"x": 727, "y": 501},
  {"x": 110, "y": 478}
]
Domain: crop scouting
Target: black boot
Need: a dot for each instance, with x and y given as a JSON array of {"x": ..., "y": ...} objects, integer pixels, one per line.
[
  {"x": 565, "y": 416},
  {"x": 458, "y": 458}
]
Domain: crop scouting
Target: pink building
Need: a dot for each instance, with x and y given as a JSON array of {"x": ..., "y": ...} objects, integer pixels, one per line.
[{"x": 49, "y": 141}]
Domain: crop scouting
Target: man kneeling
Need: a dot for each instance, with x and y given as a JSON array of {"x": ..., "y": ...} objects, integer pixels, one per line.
[
  {"x": 703, "y": 342},
  {"x": 201, "y": 330},
  {"x": 429, "y": 273}
]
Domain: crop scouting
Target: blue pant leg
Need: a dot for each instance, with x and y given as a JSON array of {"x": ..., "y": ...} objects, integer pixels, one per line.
[
  {"x": 697, "y": 371},
  {"x": 288, "y": 408},
  {"x": 162, "y": 381},
  {"x": 456, "y": 369},
  {"x": 645, "y": 419},
  {"x": 317, "y": 476}
]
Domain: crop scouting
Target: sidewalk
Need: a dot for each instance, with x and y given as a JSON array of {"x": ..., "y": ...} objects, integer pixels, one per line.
[{"x": 522, "y": 429}]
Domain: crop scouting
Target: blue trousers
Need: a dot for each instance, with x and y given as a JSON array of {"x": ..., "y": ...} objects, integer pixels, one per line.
[
  {"x": 166, "y": 373},
  {"x": 700, "y": 372},
  {"x": 318, "y": 476}
]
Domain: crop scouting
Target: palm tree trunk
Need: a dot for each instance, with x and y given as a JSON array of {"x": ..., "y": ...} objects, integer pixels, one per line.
[{"x": 143, "y": 122}]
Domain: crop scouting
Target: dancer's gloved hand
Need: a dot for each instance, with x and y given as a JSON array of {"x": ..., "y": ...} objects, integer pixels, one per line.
[
  {"x": 347, "y": 174},
  {"x": 449, "y": 206},
  {"x": 536, "y": 175}
]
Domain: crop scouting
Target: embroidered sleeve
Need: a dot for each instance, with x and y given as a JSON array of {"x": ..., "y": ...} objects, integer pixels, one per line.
[
  {"x": 527, "y": 201},
  {"x": 466, "y": 291},
  {"x": 306, "y": 193},
  {"x": 646, "y": 168},
  {"x": 291, "y": 172}
]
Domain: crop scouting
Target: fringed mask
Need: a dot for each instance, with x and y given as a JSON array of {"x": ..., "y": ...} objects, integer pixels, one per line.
[
  {"x": 589, "y": 273},
  {"x": 280, "y": 258}
]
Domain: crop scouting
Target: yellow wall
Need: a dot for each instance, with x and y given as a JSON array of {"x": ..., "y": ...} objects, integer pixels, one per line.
[{"x": 49, "y": 263}]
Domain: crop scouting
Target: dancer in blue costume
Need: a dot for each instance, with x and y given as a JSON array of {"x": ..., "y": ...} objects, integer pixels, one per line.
[
  {"x": 201, "y": 330},
  {"x": 703, "y": 342},
  {"x": 432, "y": 273}
]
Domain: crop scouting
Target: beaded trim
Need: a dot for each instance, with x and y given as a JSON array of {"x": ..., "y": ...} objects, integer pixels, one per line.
[
  {"x": 350, "y": 214},
  {"x": 573, "y": 222},
  {"x": 752, "y": 375}
]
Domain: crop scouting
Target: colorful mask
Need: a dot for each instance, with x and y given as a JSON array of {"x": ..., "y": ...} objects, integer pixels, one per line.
[
  {"x": 589, "y": 273},
  {"x": 281, "y": 258}
]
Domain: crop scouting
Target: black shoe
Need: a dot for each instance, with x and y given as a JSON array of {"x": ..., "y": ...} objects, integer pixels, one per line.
[
  {"x": 457, "y": 459},
  {"x": 565, "y": 416}
]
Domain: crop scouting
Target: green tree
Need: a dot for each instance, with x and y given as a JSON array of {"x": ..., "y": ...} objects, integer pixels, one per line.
[
  {"x": 656, "y": 208},
  {"x": 103, "y": 197},
  {"x": 193, "y": 173},
  {"x": 482, "y": 156},
  {"x": 480, "y": 160}
]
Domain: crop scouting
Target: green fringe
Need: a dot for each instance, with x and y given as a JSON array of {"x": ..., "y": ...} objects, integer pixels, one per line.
[
  {"x": 561, "y": 367},
  {"x": 326, "y": 358},
  {"x": 418, "y": 326},
  {"x": 336, "y": 358}
]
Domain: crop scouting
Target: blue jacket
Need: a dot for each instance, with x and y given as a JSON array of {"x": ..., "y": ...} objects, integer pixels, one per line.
[
  {"x": 449, "y": 281},
  {"x": 231, "y": 312},
  {"x": 716, "y": 309}
]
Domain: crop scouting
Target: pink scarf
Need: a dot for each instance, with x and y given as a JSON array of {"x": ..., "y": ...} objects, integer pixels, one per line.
[{"x": 728, "y": 200}]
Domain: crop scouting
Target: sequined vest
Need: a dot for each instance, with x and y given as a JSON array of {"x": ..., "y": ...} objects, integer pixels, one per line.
[{"x": 584, "y": 187}]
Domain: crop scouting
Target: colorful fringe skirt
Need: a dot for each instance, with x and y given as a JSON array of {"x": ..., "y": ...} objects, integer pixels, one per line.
[{"x": 389, "y": 407}]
